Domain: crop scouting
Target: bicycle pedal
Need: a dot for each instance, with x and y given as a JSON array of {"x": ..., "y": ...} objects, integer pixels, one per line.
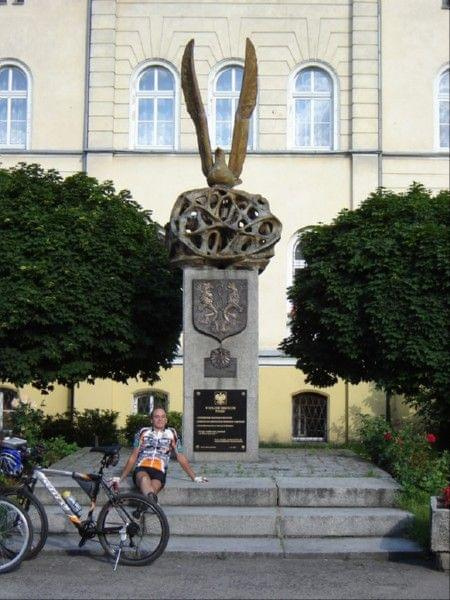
[{"x": 82, "y": 542}]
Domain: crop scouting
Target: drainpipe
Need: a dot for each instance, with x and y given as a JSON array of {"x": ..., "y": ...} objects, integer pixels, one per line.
[
  {"x": 388, "y": 406},
  {"x": 71, "y": 388},
  {"x": 380, "y": 99},
  {"x": 87, "y": 71},
  {"x": 346, "y": 391}
]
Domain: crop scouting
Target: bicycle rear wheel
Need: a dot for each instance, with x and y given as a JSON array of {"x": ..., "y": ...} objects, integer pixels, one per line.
[
  {"x": 36, "y": 511},
  {"x": 136, "y": 525},
  {"x": 16, "y": 535}
]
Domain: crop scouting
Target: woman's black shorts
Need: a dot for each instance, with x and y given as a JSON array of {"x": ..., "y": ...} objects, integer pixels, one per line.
[{"x": 151, "y": 472}]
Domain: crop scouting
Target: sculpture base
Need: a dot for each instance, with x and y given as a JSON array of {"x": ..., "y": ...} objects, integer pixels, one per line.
[{"x": 220, "y": 406}]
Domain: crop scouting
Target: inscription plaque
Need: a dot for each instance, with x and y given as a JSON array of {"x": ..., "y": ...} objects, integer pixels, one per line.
[{"x": 220, "y": 420}]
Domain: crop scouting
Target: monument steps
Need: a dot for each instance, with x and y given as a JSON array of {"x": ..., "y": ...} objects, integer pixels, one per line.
[
  {"x": 295, "y": 522},
  {"x": 301, "y": 517},
  {"x": 259, "y": 492},
  {"x": 314, "y": 547}
]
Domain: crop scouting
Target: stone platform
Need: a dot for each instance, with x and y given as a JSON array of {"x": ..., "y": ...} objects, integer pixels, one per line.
[{"x": 299, "y": 502}]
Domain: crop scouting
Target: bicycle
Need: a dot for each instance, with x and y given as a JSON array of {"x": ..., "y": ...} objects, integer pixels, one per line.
[
  {"x": 16, "y": 534},
  {"x": 131, "y": 528}
]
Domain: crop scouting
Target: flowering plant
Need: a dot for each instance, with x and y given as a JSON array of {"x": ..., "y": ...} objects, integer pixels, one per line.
[
  {"x": 445, "y": 497},
  {"x": 431, "y": 438}
]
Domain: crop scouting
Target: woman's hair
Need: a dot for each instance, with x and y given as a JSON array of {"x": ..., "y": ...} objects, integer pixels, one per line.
[{"x": 157, "y": 408}]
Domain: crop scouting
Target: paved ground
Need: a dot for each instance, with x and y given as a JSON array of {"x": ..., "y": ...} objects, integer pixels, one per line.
[
  {"x": 301, "y": 462},
  {"x": 81, "y": 576}
]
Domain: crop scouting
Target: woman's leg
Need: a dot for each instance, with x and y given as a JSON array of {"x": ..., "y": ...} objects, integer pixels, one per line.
[{"x": 147, "y": 485}]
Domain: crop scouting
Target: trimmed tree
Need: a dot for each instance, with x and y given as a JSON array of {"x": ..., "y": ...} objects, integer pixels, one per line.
[
  {"x": 372, "y": 302},
  {"x": 86, "y": 290}
]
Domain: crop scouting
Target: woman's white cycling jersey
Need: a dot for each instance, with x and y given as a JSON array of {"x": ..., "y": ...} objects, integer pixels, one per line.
[{"x": 155, "y": 447}]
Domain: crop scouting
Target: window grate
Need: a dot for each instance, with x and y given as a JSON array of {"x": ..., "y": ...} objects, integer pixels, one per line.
[{"x": 309, "y": 417}]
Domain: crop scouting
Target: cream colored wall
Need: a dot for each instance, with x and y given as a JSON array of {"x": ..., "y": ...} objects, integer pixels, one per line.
[
  {"x": 48, "y": 36},
  {"x": 56, "y": 401},
  {"x": 277, "y": 386},
  {"x": 415, "y": 47},
  {"x": 106, "y": 394},
  {"x": 126, "y": 34}
]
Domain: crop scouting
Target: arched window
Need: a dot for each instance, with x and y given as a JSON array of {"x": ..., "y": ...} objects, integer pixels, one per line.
[
  {"x": 13, "y": 107},
  {"x": 155, "y": 108},
  {"x": 312, "y": 110},
  {"x": 225, "y": 98},
  {"x": 298, "y": 260},
  {"x": 310, "y": 417},
  {"x": 443, "y": 110},
  {"x": 144, "y": 402}
]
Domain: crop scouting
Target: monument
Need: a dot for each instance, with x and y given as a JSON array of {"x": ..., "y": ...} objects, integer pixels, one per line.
[{"x": 222, "y": 239}]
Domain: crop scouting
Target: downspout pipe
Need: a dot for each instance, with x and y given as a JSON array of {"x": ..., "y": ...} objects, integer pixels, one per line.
[
  {"x": 380, "y": 97},
  {"x": 87, "y": 71}
]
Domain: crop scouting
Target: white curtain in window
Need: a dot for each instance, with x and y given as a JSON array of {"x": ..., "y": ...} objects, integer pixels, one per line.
[
  {"x": 444, "y": 110},
  {"x": 155, "y": 96},
  {"x": 313, "y": 109},
  {"x": 13, "y": 107},
  {"x": 227, "y": 87}
]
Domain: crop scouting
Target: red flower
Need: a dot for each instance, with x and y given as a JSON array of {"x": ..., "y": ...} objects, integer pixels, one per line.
[
  {"x": 388, "y": 436},
  {"x": 446, "y": 496},
  {"x": 431, "y": 438}
]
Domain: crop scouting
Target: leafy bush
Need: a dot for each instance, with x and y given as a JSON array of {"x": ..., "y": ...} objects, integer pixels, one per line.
[
  {"x": 27, "y": 422},
  {"x": 175, "y": 420},
  {"x": 96, "y": 426},
  {"x": 86, "y": 428},
  {"x": 410, "y": 456},
  {"x": 55, "y": 449},
  {"x": 133, "y": 424},
  {"x": 59, "y": 425}
]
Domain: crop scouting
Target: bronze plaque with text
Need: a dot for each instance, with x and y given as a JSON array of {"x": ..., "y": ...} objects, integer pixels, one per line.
[{"x": 220, "y": 420}]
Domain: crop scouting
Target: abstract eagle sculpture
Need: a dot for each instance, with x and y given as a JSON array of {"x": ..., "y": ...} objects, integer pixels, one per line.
[{"x": 218, "y": 226}]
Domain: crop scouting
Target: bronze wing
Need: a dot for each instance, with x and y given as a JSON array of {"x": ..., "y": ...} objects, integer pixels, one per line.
[
  {"x": 195, "y": 107},
  {"x": 247, "y": 102}
]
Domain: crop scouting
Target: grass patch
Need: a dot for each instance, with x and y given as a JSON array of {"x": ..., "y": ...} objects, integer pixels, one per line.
[{"x": 417, "y": 502}]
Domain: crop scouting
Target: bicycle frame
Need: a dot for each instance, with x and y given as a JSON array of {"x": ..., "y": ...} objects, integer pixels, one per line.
[{"x": 40, "y": 474}]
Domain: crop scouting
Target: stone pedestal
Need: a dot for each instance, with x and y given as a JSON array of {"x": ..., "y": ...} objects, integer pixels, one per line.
[
  {"x": 231, "y": 391},
  {"x": 440, "y": 534}
]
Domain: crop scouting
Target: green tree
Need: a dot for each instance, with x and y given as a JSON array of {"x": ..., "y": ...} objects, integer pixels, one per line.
[
  {"x": 86, "y": 290},
  {"x": 372, "y": 302}
]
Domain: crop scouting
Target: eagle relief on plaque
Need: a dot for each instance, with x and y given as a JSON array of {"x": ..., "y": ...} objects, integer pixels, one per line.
[{"x": 219, "y": 309}]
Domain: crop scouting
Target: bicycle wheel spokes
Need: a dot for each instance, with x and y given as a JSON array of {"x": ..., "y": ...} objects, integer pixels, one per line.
[
  {"x": 15, "y": 535},
  {"x": 142, "y": 539},
  {"x": 38, "y": 517}
]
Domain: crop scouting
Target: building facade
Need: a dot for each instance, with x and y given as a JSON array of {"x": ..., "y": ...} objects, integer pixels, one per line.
[{"x": 353, "y": 94}]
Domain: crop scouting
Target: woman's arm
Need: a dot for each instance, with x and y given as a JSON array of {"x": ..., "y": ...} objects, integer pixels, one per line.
[
  {"x": 129, "y": 465},
  {"x": 182, "y": 459}
]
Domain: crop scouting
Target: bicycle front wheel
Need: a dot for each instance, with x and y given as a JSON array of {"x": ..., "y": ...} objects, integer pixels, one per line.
[
  {"x": 36, "y": 511},
  {"x": 16, "y": 535},
  {"x": 135, "y": 526}
]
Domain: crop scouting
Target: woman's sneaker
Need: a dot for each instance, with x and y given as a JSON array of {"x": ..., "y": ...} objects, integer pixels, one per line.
[{"x": 153, "y": 498}]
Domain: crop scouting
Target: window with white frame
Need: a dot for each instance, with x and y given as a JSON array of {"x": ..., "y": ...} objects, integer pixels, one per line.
[
  {"x": 313, "y": 109},
  {"x": 155, "y": 108},
  {"x": 13, "y": 107},
  {"x": 225, "y": 98},
  {"x": 144, "y": 402},
  {"x": 443, "y": 110}
]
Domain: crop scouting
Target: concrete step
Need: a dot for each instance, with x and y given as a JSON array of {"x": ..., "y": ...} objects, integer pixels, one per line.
[
  {"x": 260, "y": 492},
  {"x": 336, "y": 491},
  {"x": 340, "y": 547},
  {"x": 227, "y": 521}
]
